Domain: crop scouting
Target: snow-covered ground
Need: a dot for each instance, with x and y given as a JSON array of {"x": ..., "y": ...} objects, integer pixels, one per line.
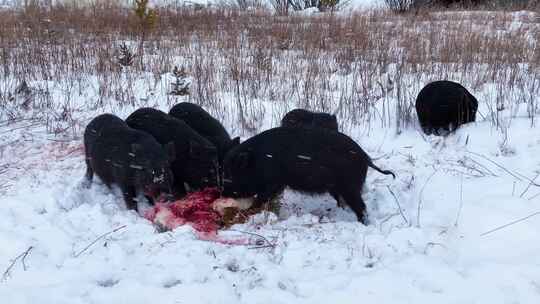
[
  {"x": 458, "y": 225},
  {"x": 438, "y": 249}
]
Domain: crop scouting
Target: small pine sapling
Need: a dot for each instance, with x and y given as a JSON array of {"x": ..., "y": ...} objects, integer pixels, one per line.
[
  {"x": 328, "y": 5},
  {"x": 180, "y": 86},
  {"x": 125, "y": 57}
]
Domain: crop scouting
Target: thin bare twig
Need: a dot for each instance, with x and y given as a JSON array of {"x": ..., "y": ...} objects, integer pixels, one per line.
[
  {"x": 99, "y": 238},
  {"x": 8, "y": 122},
  {"x": 495, "y": 163},
  {"x": 510, "y": 224},
  {"x": 257, "y": 243},
  {"x": 534, "y": 196},
  {"x": 23, "y": 260},
  {"x": 263, "y": 246},
  {"x": 528, "y": 179},
  {"x": 480, "y": 165},
  {"x": 20, "y": 256},
  {"x": 516, "y": 175},
  {"x": 19, "y": 128},
  {"x": 387, "y": 218},
  {"x": 399, "y": 206},
  {"x": 460, "y": 201},
  {"x": 64, "y": 139},
  {"x": 529, "y": 185},
  {"x": 420, "y": 200}
]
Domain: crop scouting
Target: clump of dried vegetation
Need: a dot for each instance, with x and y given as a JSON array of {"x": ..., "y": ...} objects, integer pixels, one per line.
[{"x": 366, "y": 67}]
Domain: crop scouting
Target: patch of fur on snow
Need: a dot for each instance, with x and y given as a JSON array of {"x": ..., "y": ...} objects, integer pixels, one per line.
[{"x": 221, "y": 204}]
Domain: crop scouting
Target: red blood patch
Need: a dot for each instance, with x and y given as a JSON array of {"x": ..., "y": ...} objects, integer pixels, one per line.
[{"x": 196, "y": 210}]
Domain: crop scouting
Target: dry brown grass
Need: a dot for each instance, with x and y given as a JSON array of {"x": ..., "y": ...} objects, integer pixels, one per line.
[{"x": 366, "y": 67}]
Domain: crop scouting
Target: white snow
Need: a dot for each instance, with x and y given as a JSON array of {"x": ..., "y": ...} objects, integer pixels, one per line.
[
  {"x": 366, "y": 4},
  {"x": 433, "y": 235},
  {"x": 450, "y": 190}
]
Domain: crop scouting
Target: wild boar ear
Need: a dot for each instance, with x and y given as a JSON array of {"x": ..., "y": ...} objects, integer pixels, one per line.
[
  {"x": 234, "y": 142},
  {"x": 171, "y": 151},
  {"x": 334, "y": 117},
  {"x": 242, "y": 160},
  {"x": 291, "y": 121},
  {"x": 135, "y": 147}
]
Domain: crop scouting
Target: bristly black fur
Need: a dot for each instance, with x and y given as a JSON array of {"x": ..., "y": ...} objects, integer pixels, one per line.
[
  {"x": 206, "y": 125},
  {"x": 307, "y": 119},
  {"x": 126, "y": 157},
  {"x": 310, "y": 160},
  {"x": 195, "y": 160},
  {"x": 442, "y": 106}
]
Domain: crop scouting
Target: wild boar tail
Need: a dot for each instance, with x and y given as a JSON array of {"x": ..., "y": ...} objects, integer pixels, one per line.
[{"x": 385, "y": 172}]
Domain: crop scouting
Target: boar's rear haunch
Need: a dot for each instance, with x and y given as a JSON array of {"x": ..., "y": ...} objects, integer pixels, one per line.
[
  {"x": 307, "y": 160},
  {"x": 206, "y": 125},
  {"x": 444, "y": 106},
  {"x": 128, "y": 158},
  {"x": 195, "y": 162},
  {"x": 307, "y": 119}
]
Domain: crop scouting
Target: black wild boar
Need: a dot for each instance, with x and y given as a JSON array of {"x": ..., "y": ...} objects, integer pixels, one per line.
[
  {"x": 195, "y": 162},
  {"x": 309, "y": 160},
  {"x": 307, "y": 119},
  {"x": 463, "y": 3},
  {"x": 442, "y": 106},
  {"x": 206, "y": 125},
  {"x": 128, "y": 158}
]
